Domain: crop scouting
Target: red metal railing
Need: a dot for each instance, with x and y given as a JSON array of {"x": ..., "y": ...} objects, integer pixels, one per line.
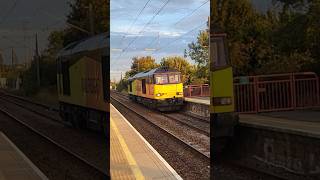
[
  {"x": 197, "y": 90},
  {"x": 265, "y": 93},
  {"x": 277, "y": 92}
]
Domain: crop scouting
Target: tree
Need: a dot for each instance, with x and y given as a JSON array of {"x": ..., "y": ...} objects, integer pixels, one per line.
[
  {"x": 56, "y": 40},
  {"x": 80, "y": 16},
  {"x": 122, "y": 85},
  {"x": 180, "y": 64},
  {"x": 248, "y": 33},
  {"x": 199, "y": 52},
  {"x": 140, "y": 64}
]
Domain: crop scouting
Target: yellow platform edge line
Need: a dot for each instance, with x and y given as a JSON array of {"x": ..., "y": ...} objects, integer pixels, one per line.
[
  {"x": 175, "y": 174},
  {"x": 132, "y": 162}
]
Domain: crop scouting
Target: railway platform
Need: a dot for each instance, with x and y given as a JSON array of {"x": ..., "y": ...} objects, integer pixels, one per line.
[
  {"x": 299, "y": 122},
  {"x": 14, "y": 164},
  {"x": 197, "y": 105},
  {"x": 199, "y": 100},
  {"x": 286, "y": 143},
  {"x": 131, "y": 156}
]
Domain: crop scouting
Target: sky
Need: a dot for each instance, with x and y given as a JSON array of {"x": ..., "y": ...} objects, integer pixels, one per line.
[
  {"x": 139, "y": 33},
  {"x": 20, "y": 20},
  {"x": 166, "y": 34}
]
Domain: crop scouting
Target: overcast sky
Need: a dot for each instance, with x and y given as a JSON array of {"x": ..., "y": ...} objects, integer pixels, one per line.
[
  {"x": 162, "y": 33},
  {"x": 21, "y": 19}
]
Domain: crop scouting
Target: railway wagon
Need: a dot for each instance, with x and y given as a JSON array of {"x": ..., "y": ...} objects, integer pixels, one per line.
[
  {"x": 223, "y": 118},
  {"x": 83, "y": 83},
  {"x": 159, "y": 88}
]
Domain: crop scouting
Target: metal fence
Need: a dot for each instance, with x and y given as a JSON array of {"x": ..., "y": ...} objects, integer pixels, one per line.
[
  {"x": 277, "y": 92},
  {"x": 266, "y": 93},
  {"x": 197, "y": 90}
]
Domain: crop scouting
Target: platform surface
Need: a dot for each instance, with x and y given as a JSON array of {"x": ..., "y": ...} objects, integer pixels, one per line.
[
  {"x": 305, "y": 123},
  {"x": 198, "y": 100},
  {"x": 14, "y": 165},
  {"x": 131, "y": 156},
  {"x": 299, "y": 115}
]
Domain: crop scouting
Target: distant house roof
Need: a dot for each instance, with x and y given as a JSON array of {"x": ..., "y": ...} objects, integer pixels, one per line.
[
  {"x": 152, "y": 72},
  {"x": 96, "y": 42}
]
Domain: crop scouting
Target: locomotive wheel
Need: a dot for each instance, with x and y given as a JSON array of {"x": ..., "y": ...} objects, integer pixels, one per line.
[
  {"x": 66, "y": 119},
  {"x": 81, "y": 121},
  {"x": 104, "y": 126},
  {"x": 74, "y": 121}
]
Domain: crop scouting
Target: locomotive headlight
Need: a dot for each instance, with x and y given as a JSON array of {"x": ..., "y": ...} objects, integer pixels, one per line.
[
  {"x": 179, "y": 93},
  {"x": 160, "y": 94},
  {"x": 222, "y": 101}
]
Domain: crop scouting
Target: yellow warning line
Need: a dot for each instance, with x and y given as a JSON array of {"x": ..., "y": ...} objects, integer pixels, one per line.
[{"x": 133, "y": 164}]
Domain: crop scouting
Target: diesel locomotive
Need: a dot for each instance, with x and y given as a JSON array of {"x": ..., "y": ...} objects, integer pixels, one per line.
[
  {"x": 223, "y": 118},
  {"x": 83, "y": 83},
  {"x": 159, "y": 88}
]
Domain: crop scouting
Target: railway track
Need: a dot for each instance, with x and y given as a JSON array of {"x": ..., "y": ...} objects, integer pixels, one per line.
[
  {"x": 30, "y": 106},
  {"x": 101, "y": 173},
  {"x": 18, "y": 101},
  {"x": 187, "y": 161},
  {"x": 30, "y": 101},
  {"x": 197, "y": 124},
  {"x": 200, "y": 154},
  {"x": 233, "y": 166},
  {"x": 41, "y": 111},
  {"x": 187, "y": 121}
]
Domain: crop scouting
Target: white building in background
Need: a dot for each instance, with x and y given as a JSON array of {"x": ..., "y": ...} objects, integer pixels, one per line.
[{"x": 3, "y": 82}]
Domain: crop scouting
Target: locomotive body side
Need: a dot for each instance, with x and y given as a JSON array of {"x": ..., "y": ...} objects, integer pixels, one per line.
[{"x": 82, "y": 88}]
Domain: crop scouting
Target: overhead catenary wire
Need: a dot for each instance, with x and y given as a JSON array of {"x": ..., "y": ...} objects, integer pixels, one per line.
[
  {"x": 163, "y": 6},
  {"x": 147, "y": 24},
  {"x": 170, "y": 43},
  {"x": 135, "y": 20},
  {"x": 189, "y": 14},
  {"x": 153, "y": 41},
  {"x": 69, "y": 24},
  {"x": 4, "y": 18},
  {"x": 180, "y": 37}
]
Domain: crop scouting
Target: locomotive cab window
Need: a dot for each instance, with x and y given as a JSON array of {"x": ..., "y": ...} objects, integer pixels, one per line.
[
  {"x": 105, "y": 73},
  {"x": 218, "y": 53},
  {"x": 161, "y": 79},
  {"x": 65, "y": 77},
  {"x": 59, "y": 71},
  {"x": 174, "y": 78},
  {"x": 130, "y": 86},
  {"x": 144, "y": 88}
]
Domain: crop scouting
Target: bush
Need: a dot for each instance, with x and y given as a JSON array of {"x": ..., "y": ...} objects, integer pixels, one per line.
[
  {"x": 122, "y": 86},
  {"x": 47, "y": 76}
]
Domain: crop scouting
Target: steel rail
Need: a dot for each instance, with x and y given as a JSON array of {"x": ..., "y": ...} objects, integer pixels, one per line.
[
  {"x": 164, "y": 131},
  {"x": 66, "y": 150},
  {"x": 30, "y": 109},
  {"x": 197, "y": 129}
]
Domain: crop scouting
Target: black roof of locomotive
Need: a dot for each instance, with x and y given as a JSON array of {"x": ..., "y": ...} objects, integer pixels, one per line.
[
  {"x": 152, "y": 72},
  {"x": 100, "y": 41}
]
